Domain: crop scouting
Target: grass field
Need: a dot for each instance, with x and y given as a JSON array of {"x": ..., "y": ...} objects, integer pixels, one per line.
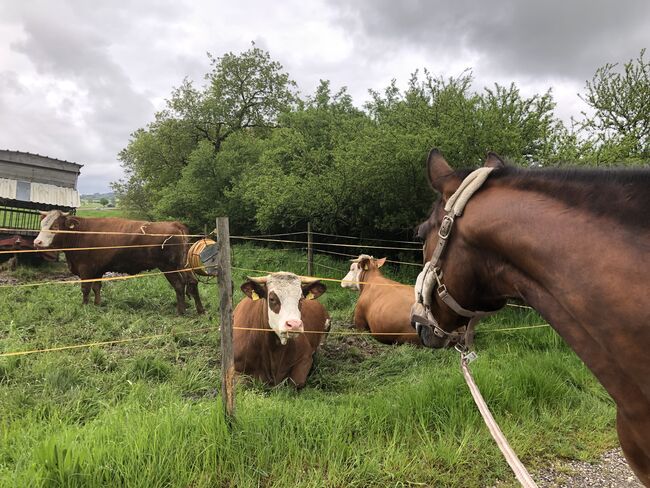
[{"x": 148, "y": 413}]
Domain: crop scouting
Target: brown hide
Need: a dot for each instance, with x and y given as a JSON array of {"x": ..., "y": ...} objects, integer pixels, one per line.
[
  {"x": 259, "y": 353},
  {"x": 94, "y": 263},
  {"x": 384, "y": 306}
]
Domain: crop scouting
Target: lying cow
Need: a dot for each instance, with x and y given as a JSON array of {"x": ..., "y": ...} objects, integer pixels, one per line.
[
  {"x": 166, "y": 251},
  {"x": 384, "y": 306},
  {"x": 283, "y": 304}
]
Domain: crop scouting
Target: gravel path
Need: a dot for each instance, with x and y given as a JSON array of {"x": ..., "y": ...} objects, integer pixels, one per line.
[{"x": 610, "y": 471}]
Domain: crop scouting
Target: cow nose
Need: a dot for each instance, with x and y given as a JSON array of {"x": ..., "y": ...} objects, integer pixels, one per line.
[
  {"x": 293, "y": 325},
  {"x": 38, "y": 242}
]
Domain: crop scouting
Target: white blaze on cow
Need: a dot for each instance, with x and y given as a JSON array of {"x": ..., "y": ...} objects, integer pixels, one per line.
[{"x": 48, "y": 222}]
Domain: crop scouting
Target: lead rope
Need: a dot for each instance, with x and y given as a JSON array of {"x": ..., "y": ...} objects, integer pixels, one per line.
[{"x": 520, "y": 471}]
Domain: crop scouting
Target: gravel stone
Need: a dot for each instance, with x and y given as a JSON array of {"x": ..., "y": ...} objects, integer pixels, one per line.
[{"x": 610, "y": 471}]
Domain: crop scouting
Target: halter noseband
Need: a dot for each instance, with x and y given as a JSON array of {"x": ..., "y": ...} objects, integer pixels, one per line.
[{"x": 421, "y": 314}]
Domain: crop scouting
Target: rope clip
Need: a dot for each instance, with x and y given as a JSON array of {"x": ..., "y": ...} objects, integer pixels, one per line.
[{"x": 466, "y": 355}]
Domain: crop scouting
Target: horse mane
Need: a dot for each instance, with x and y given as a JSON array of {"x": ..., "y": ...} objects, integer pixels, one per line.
[{"x": 620, "y": 194}]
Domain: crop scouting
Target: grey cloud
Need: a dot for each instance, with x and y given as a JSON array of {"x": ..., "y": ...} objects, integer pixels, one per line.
[{"x": 530, "y": 38}]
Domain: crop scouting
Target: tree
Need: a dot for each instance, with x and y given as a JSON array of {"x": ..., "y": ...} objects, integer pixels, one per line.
[
  {"x": 243, "y": 92},
  {"x": 620, "y": 123},
  {"x": 103, "y": 201}
]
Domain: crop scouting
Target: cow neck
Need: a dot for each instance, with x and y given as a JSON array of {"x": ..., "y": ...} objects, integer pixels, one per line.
[{"x": 366, "y": 276}]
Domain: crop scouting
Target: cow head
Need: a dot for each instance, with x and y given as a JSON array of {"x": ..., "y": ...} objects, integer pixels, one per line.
[
  {"x": 284, "y": 294},
  {"x": 358, "y": 266},
  {"x": 53, "y": 220}
]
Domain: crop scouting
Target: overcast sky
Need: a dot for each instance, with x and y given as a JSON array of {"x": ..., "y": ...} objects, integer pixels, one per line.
[{"x": 77, "y": 77}]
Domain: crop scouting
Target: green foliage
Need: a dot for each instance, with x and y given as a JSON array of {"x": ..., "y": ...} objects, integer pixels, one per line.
[
  {"x": 245, "y": 146},
  {"x": 243, "y": 93},
  {"x": 619, "y": 127}
]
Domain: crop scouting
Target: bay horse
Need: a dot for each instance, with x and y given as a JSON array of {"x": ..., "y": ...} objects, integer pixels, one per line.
[{"x": 574, "y": 245}]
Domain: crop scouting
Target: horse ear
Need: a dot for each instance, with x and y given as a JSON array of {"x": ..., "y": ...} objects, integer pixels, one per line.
[
  {"x": 440, "y": 174},
  {"x": 493, "y": 160}
]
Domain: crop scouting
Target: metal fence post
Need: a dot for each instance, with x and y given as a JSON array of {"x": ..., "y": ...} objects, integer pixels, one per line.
[{"x": 224, "y": 280}]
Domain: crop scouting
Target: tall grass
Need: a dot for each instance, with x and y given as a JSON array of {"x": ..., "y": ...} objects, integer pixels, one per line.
[{"x": 149, "y": 413}]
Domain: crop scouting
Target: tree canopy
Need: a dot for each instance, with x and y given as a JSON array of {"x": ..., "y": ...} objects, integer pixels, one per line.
[{"x": 247, "y": 146}]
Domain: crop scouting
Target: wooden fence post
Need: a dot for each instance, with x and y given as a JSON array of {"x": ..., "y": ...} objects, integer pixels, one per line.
[
  {"x": 310, "y": 251},
  {"x": 224, "y": 280}
]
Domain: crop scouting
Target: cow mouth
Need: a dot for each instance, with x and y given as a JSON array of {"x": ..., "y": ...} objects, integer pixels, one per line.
[{"x": 286, "y": 335}]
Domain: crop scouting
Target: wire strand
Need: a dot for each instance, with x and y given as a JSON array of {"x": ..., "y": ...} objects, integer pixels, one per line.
[{"x": 367, "y": 238}]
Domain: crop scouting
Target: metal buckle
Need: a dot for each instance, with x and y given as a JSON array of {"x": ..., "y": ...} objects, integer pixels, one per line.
[
  {"x": 442, "y": 291},
  {"x": 466, "y": 355},
  {"x": 445, "y": 227}
]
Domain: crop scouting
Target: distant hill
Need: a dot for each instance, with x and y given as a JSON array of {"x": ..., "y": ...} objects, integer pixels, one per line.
[{"x": 98, "y": 196}]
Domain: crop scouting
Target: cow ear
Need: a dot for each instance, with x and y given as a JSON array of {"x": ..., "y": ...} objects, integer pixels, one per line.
[
  {"x": 441, "y": 176},
  {"x": 71, "y": 222},
  {"x": 493, "y": 160},
  {"x": 250, "y": 288},
  {"x": 380, "y": 262},
  {"x": 315, "y": 289}
]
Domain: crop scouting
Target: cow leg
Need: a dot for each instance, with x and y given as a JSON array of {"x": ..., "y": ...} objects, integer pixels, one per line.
[
  {"x": 178, "y": 283},
  {"x": 299, "y": 373},
  {"x": 85, "y": 291},
  {"x": 97, "y": 289},
  {"x": 634, "y": 453},
  {"x": 192, "y": 288}
]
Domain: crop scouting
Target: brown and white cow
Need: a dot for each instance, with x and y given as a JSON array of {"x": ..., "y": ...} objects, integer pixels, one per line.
[
  {"x": 384, "y": 306},
  {"x": 166, "y": 251},
  {"x": 283, "y": 304}
]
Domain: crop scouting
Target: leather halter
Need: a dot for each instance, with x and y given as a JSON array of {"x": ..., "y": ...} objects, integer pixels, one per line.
[{"x": 421, "y": 314}]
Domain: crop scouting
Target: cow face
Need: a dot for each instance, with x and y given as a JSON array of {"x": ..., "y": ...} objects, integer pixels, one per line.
[
  {"x": 358, "y": 266},
  {"x": 284, "y": 294},
  {"x": 53, "y": 220}
]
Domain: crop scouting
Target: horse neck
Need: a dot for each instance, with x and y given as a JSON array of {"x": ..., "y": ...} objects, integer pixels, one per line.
[{"x": 581, "y": 272}]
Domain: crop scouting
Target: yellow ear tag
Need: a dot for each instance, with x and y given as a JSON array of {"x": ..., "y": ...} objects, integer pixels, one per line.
[
  {"x": 310, "y": 296},
  {"x": 255, "y": 296},
  {"x": 365, "y": 268}
]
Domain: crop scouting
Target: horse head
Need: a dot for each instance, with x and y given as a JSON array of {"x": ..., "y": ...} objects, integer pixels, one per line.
[{"x": 460, "y": 271}]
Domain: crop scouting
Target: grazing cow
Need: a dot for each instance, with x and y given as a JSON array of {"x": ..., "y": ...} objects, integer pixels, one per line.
[
  {"x": 296, "y": 326},
  {"x": 167, "y": 250},
  {"x": 384, "y": 306}
]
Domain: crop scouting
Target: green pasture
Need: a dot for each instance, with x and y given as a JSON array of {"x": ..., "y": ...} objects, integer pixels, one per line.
[{"x": 148, "y": 413}]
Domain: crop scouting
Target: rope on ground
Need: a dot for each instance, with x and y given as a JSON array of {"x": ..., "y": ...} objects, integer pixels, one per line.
[
  {"x": 109, "y": 233},
  {"x": 108, "y": 278},
  {"x": 68, "y": 249},
  {"x": 367, "y": 238},
  {"x": 511, "y": 457}
]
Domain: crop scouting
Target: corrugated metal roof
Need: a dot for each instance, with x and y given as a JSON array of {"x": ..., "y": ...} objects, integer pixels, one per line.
[
  {"x": 8, "y": 188},
  {"x": 39, "y": 193},
  {"x": 54, "y": 195}
]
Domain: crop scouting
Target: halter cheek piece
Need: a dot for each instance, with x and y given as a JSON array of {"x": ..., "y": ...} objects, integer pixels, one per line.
[{"x": 421, "y": 314}]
